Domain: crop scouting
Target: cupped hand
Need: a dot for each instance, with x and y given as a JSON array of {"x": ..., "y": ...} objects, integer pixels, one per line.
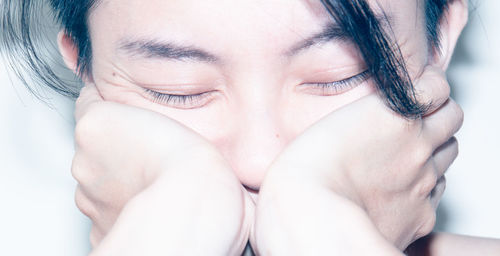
[
  {"x": 150, "y": 184},
  {"x": 361, "y": 168}
]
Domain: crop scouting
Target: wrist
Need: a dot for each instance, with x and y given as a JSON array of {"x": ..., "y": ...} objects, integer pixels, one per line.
[
  {"x": 290, "y": 173},
  {"x": 288, "y": 214},
  {"x": 190, "y": 159},
  {"x": 180, "y": 214}
]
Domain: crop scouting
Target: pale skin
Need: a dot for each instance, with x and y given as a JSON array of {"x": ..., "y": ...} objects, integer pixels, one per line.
[{"x": 209, "y": 173}]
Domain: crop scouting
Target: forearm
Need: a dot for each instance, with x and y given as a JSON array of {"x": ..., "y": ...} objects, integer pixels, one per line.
[
  {"x": 301, "y": 220},
  {"x": 444, "y": 244},
  {"x": 182, "y": 213}
]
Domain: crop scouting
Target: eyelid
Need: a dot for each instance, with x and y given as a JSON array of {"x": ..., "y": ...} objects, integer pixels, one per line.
[
  {"x": 180, "y": 101},
  {"x": 337, "y": 87}
]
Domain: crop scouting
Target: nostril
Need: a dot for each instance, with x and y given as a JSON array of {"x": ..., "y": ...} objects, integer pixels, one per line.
[
  {"x": 254, "y": 194},
  {"x": 252, "y": 169}
]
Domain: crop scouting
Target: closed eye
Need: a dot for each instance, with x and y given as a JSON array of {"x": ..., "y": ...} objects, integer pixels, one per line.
[
  {"x": 337, "y": 87},
  {"x": 187, "y": 101},
  {"x": 191, "y": 101}
]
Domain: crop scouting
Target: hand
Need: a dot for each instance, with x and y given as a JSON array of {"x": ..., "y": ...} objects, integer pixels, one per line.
[
  {"x": 362, "y": 161},
  {"x": 131, "y": 163}
]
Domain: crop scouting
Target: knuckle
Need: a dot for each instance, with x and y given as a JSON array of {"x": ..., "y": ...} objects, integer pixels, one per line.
[
  {"x": 459, "y": 114},
  {"x": 428, "y": 224},
  {"x": 80, "y": 134},
  {"x": 441, "y": 94},
  {"x": 84, "y": 204},
  {"x": 438, "y": 191},
  {"x": 82, "y": 170},
  {"x": 443, "y": 188},
  {"x": 444, "y": 133},
  {"x": 95, "y": 236},
  {"x": 86, "y": 127},
  {"x": 424, "y": 96},
  {"x": 422, "y": 153},
  {"x": 443, "y": 89},
  {"x": 427, "y": 184},
  {"x": 77, "y": 170},
  {"x": 434, "y": 87},
  {"x": 454, "y": 148}
]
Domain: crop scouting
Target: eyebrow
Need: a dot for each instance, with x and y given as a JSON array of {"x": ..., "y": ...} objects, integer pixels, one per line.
[
  {"x": 331, "y": 32},
  {"x": 157, "y": 49}
]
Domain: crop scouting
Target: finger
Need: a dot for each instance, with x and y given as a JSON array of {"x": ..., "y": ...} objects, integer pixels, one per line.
[
  {"x": 444, "y": 156},
  {"x": 96, "y": 236},
  {"x": 432, "y": 89},
  {"x": 84, "y": 204},
  {"x": 441, "y": 125},
  {"x": 88, "y": 95},
  {"x": 437, "y": 192},
  {"x": 80, "y": 169}
]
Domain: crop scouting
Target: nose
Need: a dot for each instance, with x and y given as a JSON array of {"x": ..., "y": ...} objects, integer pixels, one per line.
[{"x": 257, "y": 139}]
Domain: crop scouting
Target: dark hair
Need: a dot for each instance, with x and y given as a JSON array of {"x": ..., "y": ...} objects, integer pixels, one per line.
[{"x": 385, "y": 63}]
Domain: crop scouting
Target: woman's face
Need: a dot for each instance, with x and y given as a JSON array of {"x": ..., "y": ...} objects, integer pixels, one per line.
[{"x": 256, "y": 72}]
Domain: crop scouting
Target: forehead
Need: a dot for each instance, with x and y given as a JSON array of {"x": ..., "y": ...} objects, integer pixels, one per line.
[
  {"x": 206, "y": 22},
  {"x": 267, "y": 25}
]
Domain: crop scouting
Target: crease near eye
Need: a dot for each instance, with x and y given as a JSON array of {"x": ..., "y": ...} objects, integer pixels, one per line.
[
  {"x": 336, "y": 87},
  {"x": 187, "y": 101},
  {"x": 198, "y": 100}
]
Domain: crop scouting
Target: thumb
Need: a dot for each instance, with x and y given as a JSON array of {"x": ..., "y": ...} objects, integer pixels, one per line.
[{"x": 88, "y": 96}]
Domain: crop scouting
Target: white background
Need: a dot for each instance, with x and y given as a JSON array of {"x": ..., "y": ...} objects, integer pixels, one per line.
[{"x": 38, "y": 215}]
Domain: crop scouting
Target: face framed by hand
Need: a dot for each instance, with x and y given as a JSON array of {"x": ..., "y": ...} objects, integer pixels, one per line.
[{"x": 248, "y": 76}]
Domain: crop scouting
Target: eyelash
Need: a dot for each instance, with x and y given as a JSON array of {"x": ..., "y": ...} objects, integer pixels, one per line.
[
  {"x": 193, "y": 100},
  {"x": 341, "y": 86},
  {"x": 181, "y": 101}
]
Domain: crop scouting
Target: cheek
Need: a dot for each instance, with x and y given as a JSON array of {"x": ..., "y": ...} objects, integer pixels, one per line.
[
  {"x": 211, "y": 121},
  {"x": 309, "y": 109},
  {"x": 249, "y": 136}
]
